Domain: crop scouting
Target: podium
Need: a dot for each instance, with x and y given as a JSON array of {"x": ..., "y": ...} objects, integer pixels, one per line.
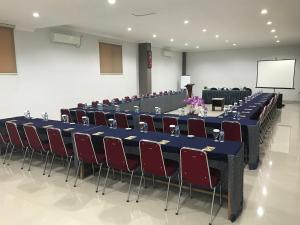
[{"x": 189, "y": 88}]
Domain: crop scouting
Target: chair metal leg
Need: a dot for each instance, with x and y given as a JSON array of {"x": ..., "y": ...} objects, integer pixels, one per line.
[
  {"x": 212, "y": 206},
  {"x": 30, "y": 161},
  {"x": 167, "y": 197},
  {"x": 77, "y": 173},
  {"x": 138, "y": 196},
  {"x": 178, "y": 205},
  {"x": 51, "y": 165},
  {"x": 69, "y": 166},
  {"x": 130, "y": 185},
  {"x": 5, "y": 154},
  {"x": 46, "y": 162},
  {"x": 98, "y": 181},
  {"x": 105, "y": 180},
  {"x": 24, "y": 157},
  {"x": 12, "y": 150}
]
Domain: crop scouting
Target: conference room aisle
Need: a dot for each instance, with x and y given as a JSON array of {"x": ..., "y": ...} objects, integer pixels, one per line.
[{"x": 271, "y": 192}]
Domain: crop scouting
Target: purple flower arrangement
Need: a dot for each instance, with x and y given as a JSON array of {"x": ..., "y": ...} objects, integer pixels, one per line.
[{"x": 195, "y": 101}]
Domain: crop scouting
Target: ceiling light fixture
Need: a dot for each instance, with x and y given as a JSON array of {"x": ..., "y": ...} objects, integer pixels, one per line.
[
  {"x": 197, "y": 46},
  {"x": 186, "y": 44},
  {"x": 36, "y": 15},
  {"x": 277, "y": 41},
  {"x": 234, "y": 44},
  {"x": 186, "y": 22},
  {"x": 111, "y": 2},
  {"x": 227, "y": 41},
  {"x": 129, "y": 29},
  {"x": 273, "y": 31},
  {"x": 264, "y": 12},
  {"x": 172, "y": 39},
  {"x": 217, "y": 36},
  {"x": 204, "y": 30},
  {"x": 154, "y": 35},
  {"x": 269, "y": 23},
  {"x": 275, "y": 36}
]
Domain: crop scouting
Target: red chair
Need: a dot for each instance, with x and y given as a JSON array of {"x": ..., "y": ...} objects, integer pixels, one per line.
[
  {"x": 116, "y": 101},
  {"x": 15, "y": 141},
  {"x": 79, "y": 115},
  {"x": 66, "y": 112},
  {"x": 195, "y": 170},
  {"x": 106, "y": 102},
  {"x": 80, "y": 105},
  {"x": 127, "y": 98},
  {"x": 117, "y": 159},
  {"x": 134, "y": 97},
  {"x": 87, "y": 154},
  {"x": 167, "y": 121},
  {"x": 196, "y": 127},
  {"x": 100, "y": 119},
  {"x": 149, "y": 120},
  {"x": 232, "y": 131},
  {"x": 153, "y": 162},
  {"x": 58, "y": 148},
  {"x": 36, "y": 144},
  {"x": 4, "y": 141},
  {"x": 95, "y": 104},
  {"x": 121, "y": 119}
]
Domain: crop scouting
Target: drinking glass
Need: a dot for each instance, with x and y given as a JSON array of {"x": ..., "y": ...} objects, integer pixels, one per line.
[
  {"x": 172, "y": 129},
  {"x": 241, "y": 102},
  {"x": 142, "y": 124},
  {"x": 115, "y": 124},
  {"x": 86, "y": 121},
  {"x": 234, "y": 114},
  {"x": 205, "y": 112},
  {"x": 100, "y": 106},
  {"x": 177, "y": 131},
  {"x": 221, "y": 136},
  {"x": 145, "y": 127},
  {"x": 216, "y": 134},
  {"x": 110, "y": 122},
  {"x": 238, "y": 115},
  {"x": 65, "y": 118},
  {"x": 117, "y": 107},
  {"x": 136, "y": 109},
  {"x": 225, "y": 111}
]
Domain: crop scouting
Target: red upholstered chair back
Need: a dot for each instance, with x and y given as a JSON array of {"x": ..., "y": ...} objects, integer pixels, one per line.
[
  {"x": 165, "y": 92},
  {"x": 262, "y": 115},
  {"x": 161, "y": 93},
  {"x": 149, "y": 120},
  {"x": 194, "y": 168},
  {"x": 134, "y": 97},
  {"x": 151, "y": 157},
  {"x": 85, "y": 148},
  {"x": 106, "y": 102},
  {"x": 79, "y": 115},
  {"x": 56, "y": 142},
  {"x": 116, "y": 100},
  {"x": 66, "y": 112},
  {"x": 115, "y": 154},
  {"x": 167, "y": 121},
  {"x": 127, "y": 98},
  {"x": 95, "y": 104},
  {"x": 196, "y": 127},
  {"x": 232, "y": 131},
  {"x": 100, "y": 119},
  {"x": 121, "y": 119},
  {"x": 33, "y": 138},
  {"x": 2, "y": 142},
  {"x": 14, "y": 135},
  {"x": 80, "y": 105}
]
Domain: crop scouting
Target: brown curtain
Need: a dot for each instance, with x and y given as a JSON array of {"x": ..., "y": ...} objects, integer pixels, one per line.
[
  {"x": 7, "y": 51},
  {"x": 110, "y": 58}
]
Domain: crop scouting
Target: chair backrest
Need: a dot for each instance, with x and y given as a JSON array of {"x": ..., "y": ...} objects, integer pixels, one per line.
[
  {"x": 95, "y": 104},
  {"x": 66, "y": 112},
  {"x": 121, "y": 119},
  {"x": 167, "y": 121},
  {"x": 149, "y": 120},
  {"x": 196, "y": 127},
  {"x": 106, "y": 102},
  {"x": 194, "y": 168},
  {"x": 116, "y": 100},
  {"x": 127, "y": 98},
  {"x": 79, "y": 115},
  {"x": 165, "y": 92},
  {"x": 115, "y": 154},
  {"x": 100, "y": 119},
  {"x": 262, "y": 115},
  {"x": 56, "y": 142},
  {"x": 2, "y": 142},
  {"x": 80, "y": 105},
  {"x": 161, "y": 93},
  {"x": 84, "y": 148},
  {"x": 134, "y": 97},
  {"x": 151, "y": 158},
  {"x": 13, "y": 134},
  {"x": 232, "y": 131},
  {"x": 33, "y": 138}
]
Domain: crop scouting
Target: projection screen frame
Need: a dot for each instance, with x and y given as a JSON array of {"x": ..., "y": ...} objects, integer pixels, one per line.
[{"x": 276, "y": 60}]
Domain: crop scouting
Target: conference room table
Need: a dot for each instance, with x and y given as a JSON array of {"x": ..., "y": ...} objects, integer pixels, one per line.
[
  {"x": 249, "y": 122},
  {"x": 227, "y": 156},
  {"x": 230, "y": 96}
]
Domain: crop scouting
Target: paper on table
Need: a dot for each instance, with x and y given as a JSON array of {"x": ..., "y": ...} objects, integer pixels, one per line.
[
  {"x": 245, "y": 112},
  {"x": 98, "y": 133},
  {"x": 163, "y": 142},
  {"x": 72, "y": 123},
  {"x": 47, "y": 126},
  {"x": 68, "y": 129},
  {"x": 130, "y": 138},
  {"x": 12, "y": 121},
  {"x": 252, "y": 106},
  {"x": 209, "y": 148},
  {"x": 242, "y": 116},
  {"x": 30, "y": 123},
  {"x": 248, "y": 109}
]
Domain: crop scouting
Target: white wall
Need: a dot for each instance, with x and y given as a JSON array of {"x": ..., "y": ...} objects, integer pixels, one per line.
[
  {"x": 53, "y": 76},
  {"x": 238, "y": 68},
  {"x": 166, "y": 71}
]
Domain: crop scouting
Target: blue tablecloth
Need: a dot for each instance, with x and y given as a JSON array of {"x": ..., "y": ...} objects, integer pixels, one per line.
[{"x": 230, "y": 96}]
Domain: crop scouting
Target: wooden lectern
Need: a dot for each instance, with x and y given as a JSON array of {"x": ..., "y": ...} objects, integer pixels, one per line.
[{"x": 189, "y": 88}]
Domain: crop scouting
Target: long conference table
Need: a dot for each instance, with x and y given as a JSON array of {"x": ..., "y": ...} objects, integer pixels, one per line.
[
  {"x": 249, "y": 121},
  {"x": 230, "y": 96},
  {"x": 227, "y": 156}
]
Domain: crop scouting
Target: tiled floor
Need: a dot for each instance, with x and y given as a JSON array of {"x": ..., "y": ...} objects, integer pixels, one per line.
[{"x": 272, "y": 193}]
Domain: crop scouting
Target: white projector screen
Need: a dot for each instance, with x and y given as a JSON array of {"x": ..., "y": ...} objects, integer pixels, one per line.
[
  {"x": 278, "y": 74},
  {"x": 184, "y": 81}
]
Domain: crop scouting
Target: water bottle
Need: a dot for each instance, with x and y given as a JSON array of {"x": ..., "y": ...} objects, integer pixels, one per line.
[
  {"x": 111, "y": 122},
  {"x": 221, "y": 136},
  {"x": 145, "y": 127},
  {"x": 114, "y": 124},
  {"x": 177, "y": 131},
  {"x": 46, "y": 116}
]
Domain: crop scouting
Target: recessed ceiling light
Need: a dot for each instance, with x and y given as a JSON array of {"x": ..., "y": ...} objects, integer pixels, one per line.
[
  {"x": 227, "y": 41},
  {"x": 129, "y": 29},
  {"x": 154, "y": 35},
  {"x": 111, "y": 2},
  {"x": 186, "y": 44},
  {"x": 264, "y": 12},
  {"x": 273, "y": 31},
  {"x": 277, "y": 41},
  {"x": 172, "y": 39},
  {"x": 234, "y": 44},
  {"x": 197, "y": 46},
  {"x": 186, "y": 22},
  {"x": 269, "y": 22},
  {"x": 204, "y": 30},
  {"x": 275, "y": 36},
  {"x": 36, "y": 15},
  {"x": 217, "y": 35}
]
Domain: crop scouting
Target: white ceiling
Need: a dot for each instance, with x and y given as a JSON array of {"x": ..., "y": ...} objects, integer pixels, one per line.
[{"x": 239, "y": 21}]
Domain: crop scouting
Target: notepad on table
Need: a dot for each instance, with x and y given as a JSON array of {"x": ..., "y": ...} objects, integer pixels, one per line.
[
  {"x": 163, "y": 142},
  {"x": 98, "y": 133},
  {"x": 245, "y": 112},
  {"x": 248, "y": 109},
  {"x": 242, "y": 116},
  {"x": 130, "y": 138},
  {"x": 69, "y": 129},
  {"x": 72, "y": 123},
  {"x": 30, "y": 123},
  {"x": 47, "y": 126},
  {"x": 252, "y": 106},
  {"x": 209, "y": 148}
]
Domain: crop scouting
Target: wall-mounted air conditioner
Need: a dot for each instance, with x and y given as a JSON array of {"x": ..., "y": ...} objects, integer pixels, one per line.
[
  {"x": 167, "y": 53},
  {"x": 66, "y": 39}
]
